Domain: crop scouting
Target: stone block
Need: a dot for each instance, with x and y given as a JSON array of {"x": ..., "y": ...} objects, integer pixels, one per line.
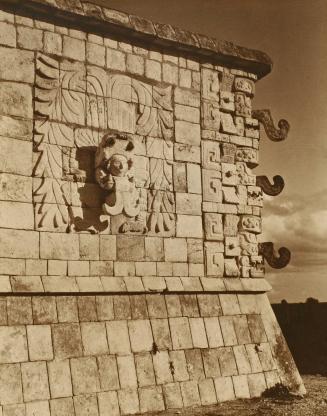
[
  {"x": 118, "y": 338},
  {"x": 195, "y": 364},
  {"x": 7, "y": 34},
  {"x": 180, "y": 333},
  {"x": 16, "y": 100},
  {"x": 86, "y": 405},
  {"x": 231, "y": 268},
  {"x": 210, "y": 84},
  {"x": 18, "y": 65},
  {"x": 243, "y": 106},
  {"x": 144, "y": 369},
  {"x": 34, "y": 267},
  {"x": 135, "y": 64},
  {"x": 179, "y": 176},
  {"x": 227, "y": 329},
  {"x": 214, "y": 335},
  {"x": 189, "y": 226},
  {"x": 108, "y": 247},
  {"x": 108, "y": 403},
  {"x": 52, "y": 43},
  {"x": 154, "y": 249},
  {"x": 229, "y": 304},
  {"x": 145, "y": 268},
  {"x": 253, "y": 357},
  {"x": 210, "y": 153},
  {"x": 210, "y": 115},
  {"x": 122, "y": 307},
  {"x": 94, "y": 338},
  {"x": 151, "y": 399},
  {"x": 224, "y": 389},
  {"x": 95, "y": 54},
  {"x": 59, "y": 246},
  {"x": 265, "y": 356},
  {"x": 35, "y": 381},
  {"x": 85, "y": 375},
  {"x": 187, "y": 113},
  {"x": 175, "y": 249},
  {"x": 12, "y": 266},
  {"x": 38, "y": 409},
  {"x": 198, "y": 333},
  {"x": 195, "y": 250},
  {"x": 227, "y": 361},
  {"x": 14, "y": 410},
  {"x": 16, "y": 215},
  {"x": 180, "y": 269},
  {"x": 173, "y": 306},
  {"x": 78, "y": 268},
  {"x": 188, "y": 203},
  {"x": 127, "y": 371},
  {"x": 128, "y": 401},
  {"x": 190, "y": 393},
  {"x": 257, "y": 384},
  {"x": 59, "y": 284},
  {"x": 170, "y": 73},
  {"x": 101, "y": 268},
  {"x": 67, "y": 342},
  {"x": 161, "y": 333},
  {"x": 62, "y": 407},
  {"x": 10, "y": 384},
  {"x": 257, "y": 329},
  {"x": 86, "y": 308},
  {"x": 59, "y": 378},
  {"x": 165, "y": 268},
  {"x": 196, "y": 270},
  {"x": 153, "y": 70},
  {"x": 187, "y": 133},
  {"x": 139, "y": 307},
  {"x": 272, "y": 378},
  {"x": 172, "y": 395},
  {"x": 140, "y": 335},
  {"x": 89, "y": 246},
  {"x": 194, "y": 184},
  {"x": 108, "y": 372},
  {"x": 187, "y": 97},
  {"x": 19, "y": 310},
  {"x": 187, "y": 153},
  {"x": 156, "y": 306},
  {"x": 189, "y": 305},
  {"x": 178, "y": 365},
  {"x": 44, "y": 310},
  {"x": 209, "y": 305},
  {"x": 211, "y": 186},
  {"x": 57, "y": 267},
  {"x": 211, "y": 363},
  {"x": 241, "y": 387},
  {"x": 130, "y": 248},
  {"x": 39, "y": 342},
  {"x": 162, "y": 367},
  {"x": 242, "y": 359},
  {"x": 207, "y": 392},
  {"x": 19, "y": 243},
  {"x": 242, "y": 329},
  {"x": 67, "y": 309},
  {"x": 213, "y": 226},
  {"x": 214, "y": 259},
  {"x": 185, "y": 78},
  {"x": 74, "y": 48}
]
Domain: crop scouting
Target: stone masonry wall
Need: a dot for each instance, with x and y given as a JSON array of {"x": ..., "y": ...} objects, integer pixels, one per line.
[{"x": 130, "y": 275}]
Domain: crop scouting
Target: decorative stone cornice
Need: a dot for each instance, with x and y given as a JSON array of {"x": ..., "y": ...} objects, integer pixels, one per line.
[{"x": 102, "y": 20}]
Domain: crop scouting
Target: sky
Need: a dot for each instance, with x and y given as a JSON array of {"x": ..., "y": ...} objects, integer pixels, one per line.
[{"x": 294, "y": 34}]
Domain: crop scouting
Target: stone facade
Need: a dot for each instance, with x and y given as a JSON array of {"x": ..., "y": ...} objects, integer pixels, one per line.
[{"x": 130, "y": 271}]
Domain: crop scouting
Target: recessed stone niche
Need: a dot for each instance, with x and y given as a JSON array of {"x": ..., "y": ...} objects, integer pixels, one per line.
[{"x": 131, "y": 275}]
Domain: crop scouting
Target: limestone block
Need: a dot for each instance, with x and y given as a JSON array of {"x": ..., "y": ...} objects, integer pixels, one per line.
[
  {"x": 151, "y": 399},
  {"x": 7, "y": 17},
  {"x": 161, "y": 333},
  {"x": 243, "y": 106},
  {"x": 38, "y": 409},
  {"x": 229, "y": 304},
  {"x": 153, "y": 69},
  {"x": 228, "y": 152},
  {"x": 214, "y": 259},
  {"x": 257, "y": 329},
  {"x": 179, "y": 176},
  {"x": 187, "y": 113},
  {"x": 187, "y": 97},
  {"x": 241, "y": 387},
  {"x": 227, "y": 124},
  {"x": 16, "y": 128},
  {"x": 140, "y": 335},
  {"x": 248, "y": 244},
  {"x": 210, "y": 115},
  {"x": 213, "y": 331},
  {"x": 74, "y": 48},
  {"x": 194, "y": 250},
  {"x": 59, "y": 246},
  {"x": 102, "y": 268},
  {"x": 139, "y": 307},
  {"x": 227, "y": 361},
  {"x": 35, "y": 381},
  {"x": 14, "y": 409},
  {"x": 118, "y": 338},
  {"x": 62, "y": 407},
  {"x": 227, "y": 101},
  {"x": 210, "y": 85},
  {"x": 18, "y": 160},
  {"x": 232, "y": 246},
  {"x": 19, "y": 310},
  {"x": 230, "y": 195},
  {"x": 211, "y": 362},
  {"x": 207, "y": 392},
  {"x": 7, "y": 34},
  {"x": 188, "y": 203},
  {"x": 211, "y": 155},
  {"x": 242, "y": 359},
  {"x": 144, "y": 369},
  {"x": 229, "y": 174},
  {"x": 128, "y": 401},
  {"x": 170, "y": 73},
  {"x": 60, "y": 378},
  {"x": 185, "y": 78},
  {"x": 17, "y": 65},
  {"x": 189, "y": 305},
  {"x": 59, "y": 284},
  {"x": 272, "y": 378},
  {"x": 213, "y": 226},
  {"x": 198, "y": 333},
  {"x": 252, "y": 133},
  {"x": 175, "y": 249},
  {"x": 180, "y": 333},
  {"x": 257, "y": 384},
  {"x": 228, "y": 330},
  {"x": 187, "y": 133},
  {"x": 178, "y": 365},
  {"x": 189, "y": 226},
  {"x": 108, "y": 247},
  {"x": 196, "y": 270},
  {"x": 108, "y": 372},
  {"x": 16, "y": 99},
  {"x": 10, "y": 384},
  {"x": 211, "y": 186},
  {"x": 247, "y": 155},
  {"x": 94, "y": 338},
  {"x": 78, "y": 268},
  {"x": 57, "y": 267},
  {"x": 130, "y": 248},
  {"x": 85, "y": 375},
  {"x": 173, "y": 305},
  {"x": 173, "y": 397},
  {"x": 190, "y": 393},
  {"x": 231, "y": 268},
  {"x": 186, "y": 153},
  {"x": 86, "y": 405},
  {"x": 67, "y": 342},
  {"x": 108, "y": 403},
  {"x": 250, "y": 223},
  {"x": 39, "y": 342},
  {"x": 156, "y": 306},
  {"x": 122, "y": 307},
  {"x": 195, "y": 364},
  {"x": 89, "y": 246},
  {"x": 6, "y": 283},
  {"x": 231, "y": 225},
  {"x": 12, "y": 266},
  {"x": 95, "y": 54},
  {"x": 53, "y": 43},
  {"x": 255, "y": 196},
  {"x": 126, "y": 371},
  {"x": 266, "y": 358},
  {"x": 67, "y": 309},
  {"x": 244, "y": 85},
  {"x": 193, "y": 178},
  {"x": 115, "y": 60}
]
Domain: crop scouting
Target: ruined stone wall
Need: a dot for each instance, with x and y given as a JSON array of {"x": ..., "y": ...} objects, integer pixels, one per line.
[{"x": 130, "y": 273}]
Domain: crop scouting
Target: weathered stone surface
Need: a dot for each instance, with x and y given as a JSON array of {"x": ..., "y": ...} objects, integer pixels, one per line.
[
  {"x": 10, "y": 384},
  {"x": 35, "y": 381},
  {"x": 59, "y": 378},
  {"x": 67, "y": 342},
  {"x": 118, "y": 338},
  {"x": 13, "y": 345},
  {"x": 180, "y": 333},
  {"x": 16, "y": 99},
  {"x": 59, "y": 246},
  {"x": 39, "y": 342},
  {"x": 85, "y": 376},
  {"x": 16, "y": 65},
  {"x": 187, "y": 133}
]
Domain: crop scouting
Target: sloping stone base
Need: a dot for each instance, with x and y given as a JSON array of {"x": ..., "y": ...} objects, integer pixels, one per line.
[{"x": 124, "y": 354}]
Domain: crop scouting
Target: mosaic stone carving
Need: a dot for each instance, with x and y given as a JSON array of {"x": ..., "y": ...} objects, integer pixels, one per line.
[
  {"x": 210, "y": 85},
  {"x": 268, "y": 252},
  {"x": 276, "y": 135},
  {"x": 271, "y": 189}
]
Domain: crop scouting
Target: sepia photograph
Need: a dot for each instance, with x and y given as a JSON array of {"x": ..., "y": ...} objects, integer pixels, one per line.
[{"x": 163, "y": 208}]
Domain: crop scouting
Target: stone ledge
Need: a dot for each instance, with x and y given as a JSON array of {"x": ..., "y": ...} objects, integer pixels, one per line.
[
  {"x": 127, "y": 285},
  {"x": 103, "y": 20}
]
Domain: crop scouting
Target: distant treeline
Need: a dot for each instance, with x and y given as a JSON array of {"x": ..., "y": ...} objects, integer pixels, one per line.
[{"x": 304, "y": 326}]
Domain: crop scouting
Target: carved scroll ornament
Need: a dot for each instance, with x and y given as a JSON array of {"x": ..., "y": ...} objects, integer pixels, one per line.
[
  {"x": 267, "y": 251},
  {"x": 276, "y": 135},
  {"x": 270, "y": 189}
]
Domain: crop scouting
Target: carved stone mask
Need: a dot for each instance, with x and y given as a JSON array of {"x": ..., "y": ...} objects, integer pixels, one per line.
[{"x": 118, "y": 165}]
